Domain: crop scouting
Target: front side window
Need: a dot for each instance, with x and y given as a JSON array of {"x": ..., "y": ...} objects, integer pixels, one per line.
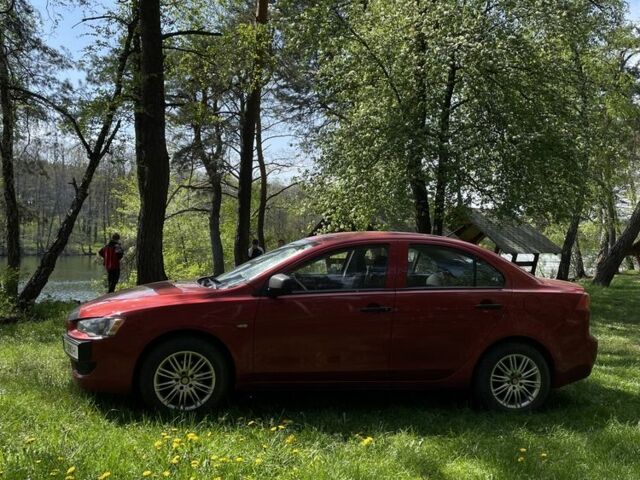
[
  {"x": 355, "y": 268},
  {"x": 431, "y": 266}
]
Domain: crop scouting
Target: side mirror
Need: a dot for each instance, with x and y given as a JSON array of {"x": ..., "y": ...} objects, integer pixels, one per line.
[{"x": 280, "y": 284}]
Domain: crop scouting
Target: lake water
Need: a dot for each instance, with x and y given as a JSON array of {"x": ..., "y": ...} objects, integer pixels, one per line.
[{"x": 74, "y": 278}]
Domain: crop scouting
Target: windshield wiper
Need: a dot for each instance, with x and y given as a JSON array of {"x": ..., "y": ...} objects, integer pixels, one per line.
[{"x": 209, "y": 282}]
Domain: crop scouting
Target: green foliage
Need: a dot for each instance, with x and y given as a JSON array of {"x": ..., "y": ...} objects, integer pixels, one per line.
[{"x": 512, "y": 104}]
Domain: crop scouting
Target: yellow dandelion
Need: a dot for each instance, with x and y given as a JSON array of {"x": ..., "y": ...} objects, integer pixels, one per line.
[
  {"x": 195, "y": 463},
  {"x": 175, "y": 460},
  {"x": 522, "y": 450},
  {"x": 290, "y": 439},
  {"x": 158, "y": 444},
  {"x": 71, "y": 470},
  {"x": 69, "y": 477},
  {"x": 239, "y": 459},
  {"x": 258, "y": 461},
  {"x": 192, "y": 437},
  {"x": 104, "y": 475},
  {"x": 166, "y": 473},
  {"x": 366, "y": 441},
  {"x": 147, "y": 473},
  {"x": 273, "y": 429},
  {"x": 521, "y": 459}
]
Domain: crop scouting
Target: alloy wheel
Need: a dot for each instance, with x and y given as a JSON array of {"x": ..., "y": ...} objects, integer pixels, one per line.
[
  {"x": 515, "y": 381},
  {"x": 184, "y": 380}
]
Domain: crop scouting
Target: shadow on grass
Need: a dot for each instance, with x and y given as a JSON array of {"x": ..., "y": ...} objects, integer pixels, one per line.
[{"x": 584, "y": 407}]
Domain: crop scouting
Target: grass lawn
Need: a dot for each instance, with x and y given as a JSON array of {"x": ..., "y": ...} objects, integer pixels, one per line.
[{"x": 49, "y": 429}]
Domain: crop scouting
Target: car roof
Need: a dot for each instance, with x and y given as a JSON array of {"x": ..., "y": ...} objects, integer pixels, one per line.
[{"x": 381, "y": 235}]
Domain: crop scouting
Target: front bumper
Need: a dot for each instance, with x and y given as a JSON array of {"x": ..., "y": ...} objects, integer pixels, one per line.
[
  {"x": 79, "y": 352},
  {"x": 99, "y": 365}
]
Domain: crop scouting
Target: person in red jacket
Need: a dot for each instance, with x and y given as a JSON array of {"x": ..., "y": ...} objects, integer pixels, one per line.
[{"x": 111, "y": 254}]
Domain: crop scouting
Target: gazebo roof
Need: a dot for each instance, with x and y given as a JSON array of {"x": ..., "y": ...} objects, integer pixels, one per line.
[{"x": 508, "y": 235}]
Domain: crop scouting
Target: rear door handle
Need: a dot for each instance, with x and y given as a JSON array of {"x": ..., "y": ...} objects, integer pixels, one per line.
[
  {"x": 489, "y": 306},
  {"x": 375, "y": 308}
]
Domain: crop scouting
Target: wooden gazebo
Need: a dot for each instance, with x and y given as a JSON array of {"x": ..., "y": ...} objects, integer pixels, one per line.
[{"x": 508, "y": 236}]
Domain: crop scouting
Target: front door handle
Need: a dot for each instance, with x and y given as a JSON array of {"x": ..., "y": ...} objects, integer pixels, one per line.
[
  {"x": 375, "y": 308},
  {"x": 488, "y": 305}
]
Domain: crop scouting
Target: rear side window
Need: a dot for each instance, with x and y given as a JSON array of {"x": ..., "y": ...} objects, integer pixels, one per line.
[
  {"x": 431, "y": 266},
  {"x": 348, "y": 269}
]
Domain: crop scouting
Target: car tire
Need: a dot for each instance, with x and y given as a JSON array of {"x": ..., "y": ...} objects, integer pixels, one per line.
[
  {"x": 512, "y": 377},
  {"x": 184, "y": 374}
]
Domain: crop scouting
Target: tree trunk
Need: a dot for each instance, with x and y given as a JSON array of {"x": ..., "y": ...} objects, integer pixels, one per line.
[
  {"x": 608, "y": 266},
  {"x": 443, "y": 151},
  {"x": 247, "y": 136},
  {"x": 416, "y": 150},
  {"x": 95, "y": 154},
  {"x": 212, "y": 167},
  {"x": 151, "y": 148},
  {"x": 48, "y": 261},
  {"x": 567, "y": 247},
  {"x": 11, "y": 203},
  {"x": 262, "y": 207},
  {"x": 579, "y": 262},
  {"x": 421, "y": 204}
]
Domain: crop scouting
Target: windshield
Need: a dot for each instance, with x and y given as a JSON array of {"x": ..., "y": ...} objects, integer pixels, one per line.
[{"x": 251, "y": 269}]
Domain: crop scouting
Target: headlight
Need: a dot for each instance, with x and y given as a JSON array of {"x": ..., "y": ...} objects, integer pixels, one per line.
[{"x": 100, "y": 327}]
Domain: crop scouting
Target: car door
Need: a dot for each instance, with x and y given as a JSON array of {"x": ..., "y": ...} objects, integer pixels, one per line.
[
  {"x": 335, "y": 326},
  {"x": 449, "y": 302}
]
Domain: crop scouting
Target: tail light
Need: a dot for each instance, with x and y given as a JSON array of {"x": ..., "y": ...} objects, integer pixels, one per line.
[{"x": 584, "y": 303}]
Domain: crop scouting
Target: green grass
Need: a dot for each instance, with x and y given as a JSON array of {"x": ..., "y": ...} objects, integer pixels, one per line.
[{"x": 587, "y": 430}]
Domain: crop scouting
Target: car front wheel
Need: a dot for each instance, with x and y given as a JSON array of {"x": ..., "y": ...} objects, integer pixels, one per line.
[
  {"x": 512, "y": 377},
  {"x": 184, "y": 374}
]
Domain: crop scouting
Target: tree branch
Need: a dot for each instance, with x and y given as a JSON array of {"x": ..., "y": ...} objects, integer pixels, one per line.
[{"x": 190, "y": 32}]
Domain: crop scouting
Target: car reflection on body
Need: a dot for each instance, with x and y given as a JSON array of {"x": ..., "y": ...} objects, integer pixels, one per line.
[{"x": 373, "y": 309}]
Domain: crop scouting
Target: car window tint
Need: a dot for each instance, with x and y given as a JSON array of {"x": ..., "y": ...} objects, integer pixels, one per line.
[
  {"x": 432, "y": 266},
  {"x": 352, "y": 269},
  {"x": 487, "y": 276}
]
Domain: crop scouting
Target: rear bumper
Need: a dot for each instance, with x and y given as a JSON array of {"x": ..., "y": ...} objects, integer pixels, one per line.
[
  {"x": 99, "y": 367},
  {"x": 582, "y": 363}
]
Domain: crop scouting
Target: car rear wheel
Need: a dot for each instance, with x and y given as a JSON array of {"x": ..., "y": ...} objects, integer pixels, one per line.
[
  {"x": 184, "y": 374},
  {"x": 512, "y": 377}
]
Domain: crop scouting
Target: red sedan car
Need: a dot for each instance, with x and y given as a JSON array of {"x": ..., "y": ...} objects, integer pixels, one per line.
[{"x": 373, "y": 309}]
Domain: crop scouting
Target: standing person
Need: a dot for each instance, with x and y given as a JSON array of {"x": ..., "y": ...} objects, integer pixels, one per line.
[
  {"x": 111, "y": 254},
  {"x": 256, "y": 250}
]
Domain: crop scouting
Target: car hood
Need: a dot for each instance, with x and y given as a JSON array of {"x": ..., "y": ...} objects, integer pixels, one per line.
[{"x": 143, "y": 297}]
